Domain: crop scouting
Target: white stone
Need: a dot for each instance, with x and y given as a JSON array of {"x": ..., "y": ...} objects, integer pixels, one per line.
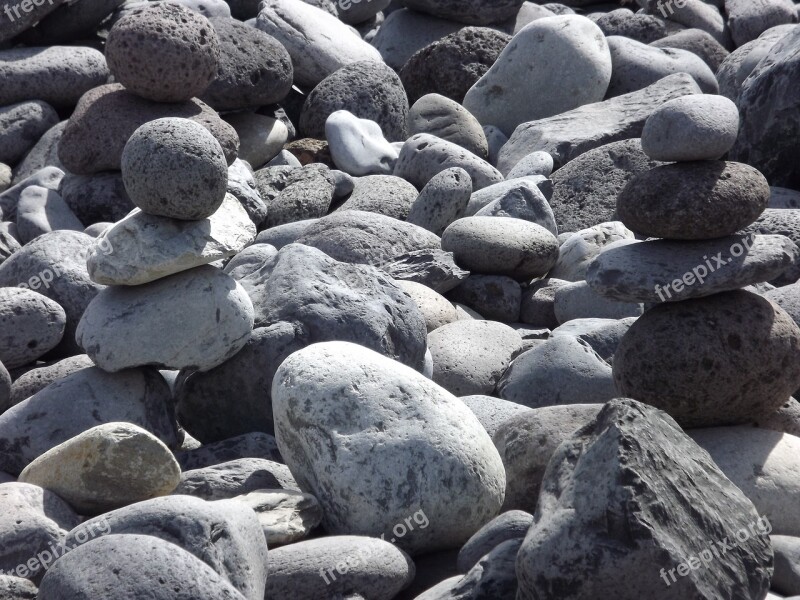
[{"x": 357, "y": 145}]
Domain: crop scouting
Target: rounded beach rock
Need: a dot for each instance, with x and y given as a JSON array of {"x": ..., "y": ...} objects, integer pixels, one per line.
[{"x": 31, "y": 325}]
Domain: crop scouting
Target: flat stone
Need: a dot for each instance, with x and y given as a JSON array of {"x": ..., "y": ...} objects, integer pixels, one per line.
[
  {"x": 433, "y": 268},
  {"x": 579, "y": 301}
]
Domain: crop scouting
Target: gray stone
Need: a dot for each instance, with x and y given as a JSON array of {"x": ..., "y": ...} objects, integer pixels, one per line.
[
  {"x": 249, "y": 260},
  {"x": 17, "y": 588},
  {"x": 286, "y": 516},
  {"x": 495, "y": 297},
  {"x": 603, "y": 335},
  {"x": 339, "y": 566},
  {"x": 248, "y": 445},
  {"x": 105, "y": 467},
  {"x": 470, "y": 13},
  {"x": 32, "y": 325},
  {"x": 177, "y": 52},
  {"x": 17, "y": 22},
  {"x": 306, "y": 194},
  {"x": 32, "y": 381},
  {"x": 317, "y": 41},
  {"x": 574, "y": 132},
  {"x": 496, "y": 139},
  {"x": 41, "y": 211},
  {"x": 106, "y": 117},
  {"x": 518, "y": 199},
  {"x": 283, "y": 235},
  {"x": 349, "y": 302},
  {"x": 698, "y": 127},
  {"x": 536, "y": 163},
  {"x": 21, "y": 126},
  {"x": 5, "y": 177},
  {"x": 461, "y": 486},
  {"x": 43, "y": 154},
  {"x": 492, "y": 412},
  {"x": 207, "y": 8},
  {"x": 676, "y": 504},
  {"x": 670, "y": 271},
  {"x": 367, "y": 89},
  {"x": 443, "y": 200},
  {"x": 501, "y": 246},
  {"x": 623, "y": 22},
  {"x": 58, "y": 75},
  {"x": 786, "y": 579},
  {"x": 126, "y": 327},
  {"x": 526, "y": 443},
  {"x": 175, "y": 168},
  {"x": 71, "y": 22},
  {"x": 502, "y": 96},
  {"x": 49, "y": 177},
  {"x": 440, "y": 116},
  {"x": 80, "y": 401},
  {"x": 693, "y": 14},
  {"x": 234, "y": 478},
  {"x": 284, "y": 159},
  {"x": 699, "y": 42},
  {"x": 469, "y": 357},
  {"x": 96, "y": 198},
  {"x": 405, "y": 32},
  {"x": 780, "y": 197},
  {"x": 578, "y": 251},
  {"x": 433, "y": 268},
  {"x": 383, "y": 194},
  {"x": 511, "y": 525},
  {"x": 747, "y": 19},
  {"x": 357, "y": 145},
  {"x": 261, "y": 138},
  {"x": 242, "y": 185},
  {"x": 423, "y": 156},
  {"x": 435, "y": 308},
  {"x": 358, "y": 13},
  {"x": 254, "y": 68},
  {"x": 142, "y": 248},
  {"x": 579, "y": 301},
  {"x": 562, "y": 370},
  {"x": 538, "y": 302}
]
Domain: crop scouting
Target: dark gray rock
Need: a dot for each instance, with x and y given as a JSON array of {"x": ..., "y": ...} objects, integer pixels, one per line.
[
  {"x": 27, "y": 384},
  {"x": 43, "y": 211},
  {"x": 538, "y": 302},
  {"x": 698, "y": 42},
  {"x": 247, "y": 445},
  {"x": 235, "y": 478},
  {"x": 21, "y": 126},
  {"x": 675, "y": 504},
  {"x": 495, "y": 297},
  {"x": 78, "y": 402},
  {"x": 383, "y": 194},
  {"x": 640, "y": 27},
  {"x": 70, "y": 22},
  {"x": 433, "y": 268},
  {"x": 786, "y": 579},
  {"x": 32, "y": 325},
  {"x": 43, "y": 154},
  {"x": 96, "y": 198},
  {"x": 471, "y": 13},
  {"x": 306, "y": 193},
  {"x": 405, "y": 31},
  {"x": 443, "y": 200}
]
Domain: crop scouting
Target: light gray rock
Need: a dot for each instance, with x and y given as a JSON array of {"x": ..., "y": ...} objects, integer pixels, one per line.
[
  {"x": 242, "y": 185},
  {"x": 494, "y": 297},
  {"x": 678, "y": 503},
  {"x": 41, "y": 211},
  {"x": 447, "y": 119},
  {"x": 496, "y": 140},
  {"x": 286, "y": 516},
  {"x": 423, "y": 424},
  {"x": 786, "y": 579},
  {"x": 283, "y": 235},
  {"x": 492, "y": 412},
  {"x": 435, "y": 308},
  {"x": 579, "y": 301},
  {"x": 126, "y": 327},
  {"x": 175, "y": 168},
  {"x": 669, "y": 271},
  {"x": 574, "y": 132},
  {"x": 469, "y": 357},
  {"x": 17, "y": 588},
  {"x": 699, "y": 127},
  {"x": 105, "y": 467},
  {"x": 603, "y": 335},
  {"x": 234, "y": 478},
  {"x": 143, "y": 248},
  {"x": 693, "y": 13},
  {"x": 21, "y": 126},
  {"x": 284, "y": 159},
  {"x": 562, "y": 370},
  {"x": 700, "y": 42},
  {"x": 31, "y": 325},
  {"x": 383, "y": 194},
  {"x": 317, "y": 41},
  {"x": 5, "y": 177},
  {"x": 339, "y": 566},
  {"x": 435, "y": 269},
  {"x": 80, "y": 401},
  {"x": 748, "y": 20},
  {"x": 526, "y": 443},
  {"x": 517, "y": 198},
  {"x": 357, "y": 146},
  {"x": 406, "y": 31},
  {"x": 49, "y": 177},
  {"x": 575, "y": 254},
  {"x": 423, "y": 156},
  {"x": 526, "y": 68},
  {"x": 501, "y": 246},
  {"x": 261, "y": 138},
  {"x": 511, "y": 525},
  {"x": 536, "y": 163},
  {"x": 443, "y": 200}
]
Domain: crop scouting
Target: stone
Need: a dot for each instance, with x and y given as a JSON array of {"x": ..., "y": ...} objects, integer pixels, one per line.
[
  {"x": 562, "y": 370},
  {"x": 284, "y": 159},
  {"x": 283, "y": 235},
  {"x": 96, "y": 198},
  {"x": 767, "y": 110},
  {"x": 37, "y": 379},
  {"x": 367, "y": 89},
  {"x": 469, "y": 357},
  {"x": 339, "y": 566},
  {"x": 17, "y": 588},
  {"x": 494, "y": 297},
  {"x": 758, "y": 462},
  {"x": 49, "y": 177},
  {"x": 786, "y": 579},
  {"x": 70, "y": 22},
  {"x": 676, "y": 504},
  {"x": 450, "y": 66},
  {"x": 501, "y": 96},
  {"x": 496, "y": 139},
  {"x": 350, "y": 302},
  {"x": 317, "y": 41},
  {"x": 54, "y": 265},
  {"x": 142, "y": 248},
  {"x": 435, "y": 308},
  {"x": 261, "y": 138},
  {"x": 780, "y": 197},
  {"x": 57, "y": 75},
  {"x": 501, "y": 246},
  {"x": 526, "y": 443},
  {"x": 177, "y": 52},
  {"x": 118, "y": 562},
  {"x": 103, "y": 468},
  {"x": 603, "y": 335},
  {"x": 248, "y": 445},
  {"x": 517, "y": 199},
  {"x": 355, "y": 236},
  {"x": 41, "y": 211},
  {"x": 640, "y": 27},
  {"x": 693, "y": 200},
  {"x": 306, "y": 194},
  {"x": 32, "y": 325},
  {"x": 470, "y": 13},
  {"x": 254, "y": 68},
  {"x": 692, "y": 14},
  {"x": 34, "y": 521},
  {"x": 442, "y": 200},
  {"x": 579, "y": 301},
  {"x": 699, "y": 127},
  {"x": 433, "y": 268},
  {"x": 383, "y": 194},
  {"x": 447, "y": 119},
  {"x": 234, "y": 478},
  {"x": 574, "y": 132},
  {"x": 75, "y": 403},
  {"x": 536, "y": 163},
  {"x": 424, "y": 156},
  {"x": 537, "y": 305},
  {"x": 748, "y": 20},
  {"x": 5, "y": 177},
  {"x": 424, "y": 424},
  {"x": 21, "y": 125},
  {"x": 215, "y": 312},
  {"x": 699, "y": 42},
  {"x": 581, "y": 248},
  {"x": 242, "y": 185},
  {"x": 511, "y": 525},
  {"x": 249, "y": 260},
  {"x": 360, "y": 15},
  {"x": 175, "y": 168},
  {"x": 671, "y": 271},
  {"x": 286, "y": 516},
  {"x": 357, "y": 145},
  {"x": 107, "y": 116},
  {"x": 742, "y": 372},
  {"x": 492, "y": 412},
  {"x": 405, "y": 31}
]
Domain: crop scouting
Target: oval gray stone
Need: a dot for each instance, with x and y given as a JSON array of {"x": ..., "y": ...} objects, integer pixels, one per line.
[{"x": 32, "y": 325}]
